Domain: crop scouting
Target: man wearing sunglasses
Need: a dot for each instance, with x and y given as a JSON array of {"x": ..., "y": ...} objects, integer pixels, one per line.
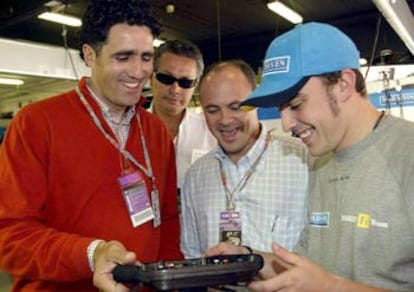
[{"x": 178, "y": 66}]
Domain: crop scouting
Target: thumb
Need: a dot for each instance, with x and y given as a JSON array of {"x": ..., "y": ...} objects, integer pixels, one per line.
[{"x": 129, "y": 258}]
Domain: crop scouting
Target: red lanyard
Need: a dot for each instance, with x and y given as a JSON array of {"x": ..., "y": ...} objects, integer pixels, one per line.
[
  {"x": 146, "y": 170},
  {"x": 242, "y": 183}
]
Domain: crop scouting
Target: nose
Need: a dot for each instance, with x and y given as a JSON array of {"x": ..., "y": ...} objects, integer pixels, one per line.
[
  {"x": 174, "y": 87},
  {"x": 288, "y": 119},
  {"x": 138, "y": 69},
  {"x": 225, "y": 116}
]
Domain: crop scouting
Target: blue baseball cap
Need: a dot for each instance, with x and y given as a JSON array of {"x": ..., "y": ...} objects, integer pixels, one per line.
[{"x": 292, "y": 58}]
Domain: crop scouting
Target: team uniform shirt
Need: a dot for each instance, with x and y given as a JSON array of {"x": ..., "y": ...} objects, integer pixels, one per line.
[
  {"x": 194, "y": 139},
  {"x": 361, "y": 217},
  {"x": 272, "y": 204},
  {"x": 59, "y": 192}
]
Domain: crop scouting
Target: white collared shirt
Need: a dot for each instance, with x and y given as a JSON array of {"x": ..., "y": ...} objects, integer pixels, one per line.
[{"x": 194, "y": 139}]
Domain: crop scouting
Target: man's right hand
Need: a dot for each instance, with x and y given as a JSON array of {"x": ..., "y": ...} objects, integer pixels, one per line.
[{"x": 107, "y": 255}]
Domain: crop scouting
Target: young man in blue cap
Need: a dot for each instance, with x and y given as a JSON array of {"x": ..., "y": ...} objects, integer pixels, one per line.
[{"x": 359, "y": 234}]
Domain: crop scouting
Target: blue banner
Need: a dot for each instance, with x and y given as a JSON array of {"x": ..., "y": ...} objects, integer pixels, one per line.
[{"x": 393, "y": 99}]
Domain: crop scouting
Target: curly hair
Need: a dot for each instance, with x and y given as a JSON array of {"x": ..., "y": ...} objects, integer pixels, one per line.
[
  {"x": 181, "y": 48},
  {"x": 333, "y": 77},
  {"x": 101, "y": 15}
]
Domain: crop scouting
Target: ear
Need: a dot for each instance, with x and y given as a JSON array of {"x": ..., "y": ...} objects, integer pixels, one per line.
[
  {"x": 346, "y": 84},
  {"x": 89, "y": 55}
]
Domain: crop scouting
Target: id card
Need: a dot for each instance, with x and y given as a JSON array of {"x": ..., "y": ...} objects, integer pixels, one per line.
[
  {"x": 230, "y": 227},
  {"x": 135, "y": 194}
]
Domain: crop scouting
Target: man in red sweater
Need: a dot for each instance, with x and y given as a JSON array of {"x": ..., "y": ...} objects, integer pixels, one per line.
[{"x": 88, "y": 178}]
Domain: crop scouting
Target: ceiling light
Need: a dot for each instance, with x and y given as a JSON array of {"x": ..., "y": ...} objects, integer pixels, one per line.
[
  {"x": 399, "y": 16},
  {"x": 158, "y": 42},
  {"x": 61, "y": 18},
  {"x": 10, "y": 81},
  {"x": 284, "y": 11},
  {"x": 170, "y": 8}
]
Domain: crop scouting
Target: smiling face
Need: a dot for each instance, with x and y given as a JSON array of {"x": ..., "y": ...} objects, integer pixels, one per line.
[
  {"x": 221, "y": 93},
  {"x": 173, "y": 99},
  {"x": 314, "y": 116},
  {"x": 122, "y": 67}
]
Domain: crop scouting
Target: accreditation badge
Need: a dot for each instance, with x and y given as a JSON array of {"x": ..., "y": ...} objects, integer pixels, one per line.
[
  {"x": 135, "y": 194},
  {"x": 230, "y": 227}
]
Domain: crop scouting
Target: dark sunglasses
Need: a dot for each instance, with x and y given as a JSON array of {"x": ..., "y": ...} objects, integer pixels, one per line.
[{"x": 168, "y": 80}]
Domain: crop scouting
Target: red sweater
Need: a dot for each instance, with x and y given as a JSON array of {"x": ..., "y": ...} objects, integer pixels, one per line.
[{"x": 59, "y": 191}]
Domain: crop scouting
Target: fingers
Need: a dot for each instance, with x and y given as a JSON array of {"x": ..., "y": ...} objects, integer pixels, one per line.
[
  {"x": 107, "y": 255},
  {"x": 273, "y": 272},
  {"x": 274, "y": 263},
  {"x": 117, "y": 288},
  {"x": 114, "y": 251},
  {"x": 285, "y": 259},
  {"x": 292, "y": 272},
  {"x": 224, "y": 248},
  {"x": 269, "y": 285},
  {"x": 120, "y": 288}
]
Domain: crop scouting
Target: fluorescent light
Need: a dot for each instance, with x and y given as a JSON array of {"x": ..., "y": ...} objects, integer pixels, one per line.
[
  {"x": 10, "y": 81},
  {"x": 284, "y": 11},
  {"x": 399, "y": 16},
  {"x": 60, "y": 18},
  {"x": 158, "y": 42}
]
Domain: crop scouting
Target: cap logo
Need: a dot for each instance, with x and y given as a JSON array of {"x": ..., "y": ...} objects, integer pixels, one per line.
[{"x": 276, "y": 65}]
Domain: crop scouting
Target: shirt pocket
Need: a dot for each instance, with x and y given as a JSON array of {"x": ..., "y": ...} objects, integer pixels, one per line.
[{"x": 286, "y": 230}]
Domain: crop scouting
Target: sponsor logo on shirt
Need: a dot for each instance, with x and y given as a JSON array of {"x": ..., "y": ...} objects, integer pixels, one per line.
[
  {"x": 319, "y": 219},
  {"x": 341, "y": 178},
  {"x": 364, "y": 221}
]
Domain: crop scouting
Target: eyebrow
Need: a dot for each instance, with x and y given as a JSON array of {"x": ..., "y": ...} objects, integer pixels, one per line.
[
  {"x": 288, "y": 103},
  {"x": 131, "y": 53},
  {"x": 167, "y": 72},
  {"x": 123, "y": 53}
]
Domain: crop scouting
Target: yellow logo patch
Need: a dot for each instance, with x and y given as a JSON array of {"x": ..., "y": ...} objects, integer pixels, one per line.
[{"x": 364, "y": 220}]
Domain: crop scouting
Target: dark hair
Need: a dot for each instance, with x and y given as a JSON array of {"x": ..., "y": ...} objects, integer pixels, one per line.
[
  {"x": 181, "y": 48},
  {"x": 101, "y": 15},
  {"x": 245, "y": 68},
  {"x": 333, "y": 77}
]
